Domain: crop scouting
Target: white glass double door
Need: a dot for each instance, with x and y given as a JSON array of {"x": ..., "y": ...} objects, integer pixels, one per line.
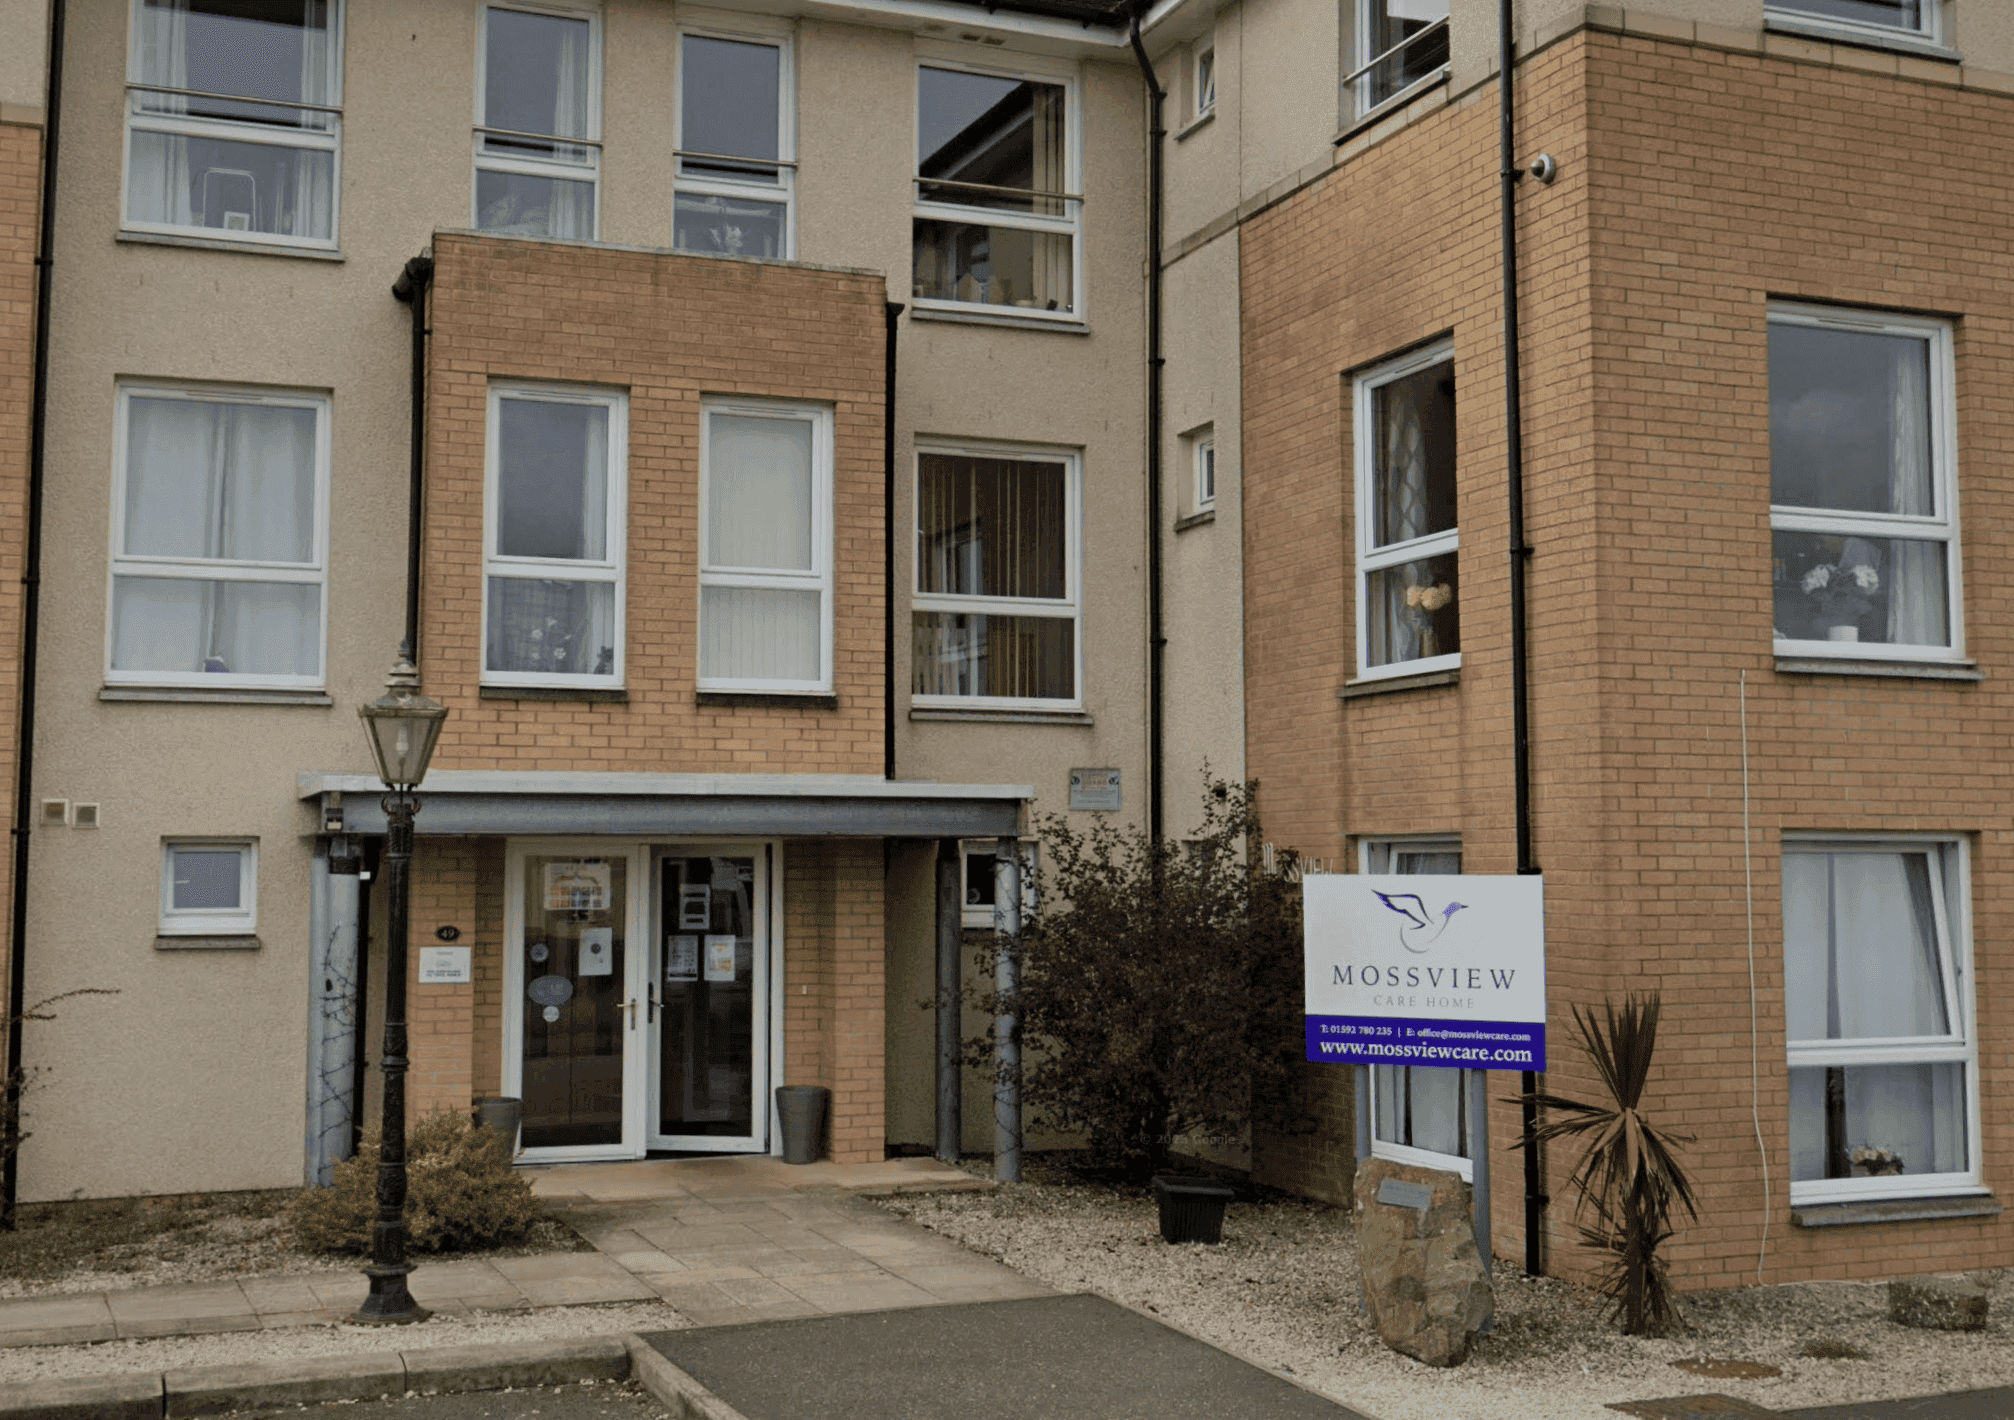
[{"x": 637, "y": 996}]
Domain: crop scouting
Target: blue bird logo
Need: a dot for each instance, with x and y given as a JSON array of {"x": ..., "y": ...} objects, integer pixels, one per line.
[{"x": 1421, "y": 930}]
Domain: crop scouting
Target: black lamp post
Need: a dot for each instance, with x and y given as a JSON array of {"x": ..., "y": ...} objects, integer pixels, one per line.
[{"x": 403, "y": 726}]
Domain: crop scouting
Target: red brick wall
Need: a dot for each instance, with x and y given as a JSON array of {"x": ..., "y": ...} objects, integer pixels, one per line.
[
  {"x": 20, "y": 216},
  {"x": 1696, "y": 185},
  {"x": 667, "y": 329}
]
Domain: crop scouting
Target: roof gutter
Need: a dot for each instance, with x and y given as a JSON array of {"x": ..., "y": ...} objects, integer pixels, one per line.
[{"x": 31, "y": 608}]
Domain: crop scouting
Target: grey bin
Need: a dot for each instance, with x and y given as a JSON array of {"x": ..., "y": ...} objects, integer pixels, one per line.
[
  {"x": 501, "y": 1113},
  {"x": 801, "y": 1110}
]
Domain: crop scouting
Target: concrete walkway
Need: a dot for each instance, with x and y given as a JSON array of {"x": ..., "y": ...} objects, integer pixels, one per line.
[{"x": 723, "y": 1240}]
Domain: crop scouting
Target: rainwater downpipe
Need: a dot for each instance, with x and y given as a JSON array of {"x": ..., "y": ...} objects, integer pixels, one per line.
[
  {"x": 1520, "y": 555},
  {"x": 411, "y": 289},
  {"x": 1157, "y": 641},
  {"x": 893, "y": 310},
  {"x": 31, "y": 607}
]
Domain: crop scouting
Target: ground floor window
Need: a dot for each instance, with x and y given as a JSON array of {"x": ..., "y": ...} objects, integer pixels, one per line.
[
  {"x": 1419, "y": 1115},
  {"x": 1878, "y": 1015}
]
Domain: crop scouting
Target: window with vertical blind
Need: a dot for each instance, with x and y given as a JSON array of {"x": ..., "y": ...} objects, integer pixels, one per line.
[
  {"x": 1419, "y": 1115},
  {"x": 554, "y": 537},
  {"x": 1877, "y": 1001},
  {"x": 765, "y": 577},
  {"x": 538, "y": 122},
  {"x": 998, "y": 214},
  {"x": 220, "y": 538},
  {"x": 735, "y": 144},
  {"x": 234, "y": 120},
  {"x": 996, "y": 611}
]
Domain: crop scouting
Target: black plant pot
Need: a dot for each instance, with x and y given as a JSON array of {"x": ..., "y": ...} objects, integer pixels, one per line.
[{"x": 1192, "y": 1208}]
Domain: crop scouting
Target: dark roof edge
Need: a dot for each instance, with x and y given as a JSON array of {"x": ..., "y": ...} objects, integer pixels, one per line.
[{"x": 1109, "y": 14}]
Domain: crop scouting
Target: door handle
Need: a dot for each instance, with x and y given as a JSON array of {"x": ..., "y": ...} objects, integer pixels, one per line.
[
  {"x": 632, "y": 1013},
  {"x": 650, "y": 1004}
]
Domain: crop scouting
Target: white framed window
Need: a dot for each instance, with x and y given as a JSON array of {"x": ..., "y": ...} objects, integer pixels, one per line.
[
  {"x": 765, "y": 569},
  {"x": 1408, "y": 574},
  {"x": 1205, "y": 80},
  {"x": 998, "y": 560},
  {"x": 538, "y": 122},
  {"x": 209, "y": 887},
  {"x": 219, "y": 538},
  {"x": 736, "y": 146},
  {"x": 999, "y": 214},
  {"x": 1863, "y": 485},
  {"x": 980, "y": 886},
  {"x": 234, "y": 120},
  {"x": 554, "y": 536},
  {"x": 1398, "y": 45},
  {"x": 1872, "y": 19},
  {"x": 1878, "y": 1019},
  {"x": 1419, "y": 1115},
  {"x": 1203, "y": 456}
]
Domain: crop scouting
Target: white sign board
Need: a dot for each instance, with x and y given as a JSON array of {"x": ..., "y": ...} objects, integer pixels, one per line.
[
  {"x": 444, "y": 966},
  {"x": 1437, "y": 970}
]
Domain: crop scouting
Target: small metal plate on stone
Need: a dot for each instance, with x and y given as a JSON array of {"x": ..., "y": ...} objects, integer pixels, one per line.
[
  {"x": 1696, "y": 1407},
  {"x": 1405, "y": 1195}
]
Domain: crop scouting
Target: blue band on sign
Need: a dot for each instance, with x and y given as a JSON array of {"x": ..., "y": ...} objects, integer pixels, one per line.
[{"x": 1448, "y": 1045}]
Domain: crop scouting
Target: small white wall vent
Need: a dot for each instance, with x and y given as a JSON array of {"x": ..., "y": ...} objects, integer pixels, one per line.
[
  {"x": 86, "y": 816},
  {"x": 55, "y": 813}
]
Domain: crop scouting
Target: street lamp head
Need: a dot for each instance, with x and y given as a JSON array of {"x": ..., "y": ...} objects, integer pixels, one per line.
[{"x": 404, "y": 726}]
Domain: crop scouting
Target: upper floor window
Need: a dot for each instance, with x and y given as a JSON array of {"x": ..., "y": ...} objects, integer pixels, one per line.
[
  {"x": 234, "y": 119},
  {"x": 554, "y": 537},
  {"x": 1408, "y": 582},
  {"x": 735, "y": 132},
  {"x": 1205, "y": 446},
  {"x": 1206, "y": 79},
  {"x": 1878, "y": 1020},
  {"x": 765, "y": 567},
  {"x": 538, "y": 123},
  {"x": 996, "y": 579},
  {"x": 1877, "y": 18},
  {"x": 998, "y": 219},
  {"x": 220, "y": 538},
  {"x": 1398, "y": 44},
  {"x": 1863, "y": 494}
]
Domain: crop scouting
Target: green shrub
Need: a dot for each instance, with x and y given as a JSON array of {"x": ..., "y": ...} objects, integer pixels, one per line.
[{"x": 461, "y": 1192}]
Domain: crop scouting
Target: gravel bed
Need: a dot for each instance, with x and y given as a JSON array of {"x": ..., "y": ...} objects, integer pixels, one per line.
[{"x": 1281, "y": 1291}]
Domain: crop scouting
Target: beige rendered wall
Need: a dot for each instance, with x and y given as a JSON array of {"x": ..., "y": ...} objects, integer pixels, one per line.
[
  {"x": 24, "y": 51},
  {"x": 193, "y": 1077}
]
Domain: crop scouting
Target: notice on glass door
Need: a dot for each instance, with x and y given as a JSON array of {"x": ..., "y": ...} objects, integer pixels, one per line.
[
  {"x": 597, "y": 951},
  {"x": 720, "y": 958},
  {"x": 681, "y": 958}
]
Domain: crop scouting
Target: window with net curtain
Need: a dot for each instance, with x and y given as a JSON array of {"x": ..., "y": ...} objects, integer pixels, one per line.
[
  {"x": 734, "y": 184},
  {"x": 538, "y": 157},
  {"x": 233, "y": 122},
  {"x": 1409, "y": 583},
  {"x": 1862, "y": 496},
  {"x": 1417, "y": 1108},
  {"x": 1877, "y": 1020},
  {"x": 996, "y": 600},
  {"x": 765, "y": 594},
  {"x": 553, "y": 604},
  {"x": 219, "y": 566},
  {"x": 996, "y": 223}
]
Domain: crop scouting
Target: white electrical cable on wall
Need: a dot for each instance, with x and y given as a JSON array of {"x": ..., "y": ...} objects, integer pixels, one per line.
[{"x": 1754, "y": 1066}]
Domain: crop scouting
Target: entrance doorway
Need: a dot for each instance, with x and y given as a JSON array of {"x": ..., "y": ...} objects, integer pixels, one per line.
[{"x": 638, "y": 996}]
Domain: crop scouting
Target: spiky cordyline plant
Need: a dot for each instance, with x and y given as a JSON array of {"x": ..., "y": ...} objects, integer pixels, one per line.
[{"x": 1629, "y": 1172}]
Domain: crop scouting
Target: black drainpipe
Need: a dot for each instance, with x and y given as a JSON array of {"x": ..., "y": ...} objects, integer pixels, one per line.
[
  {"x": 411, "y": 289},
  {"x": 1157, "y": 642},
  {"x": 894, "y": 310},
  {"x": 31, "y": 606},
  {"x": 1520, "y": 555}
]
